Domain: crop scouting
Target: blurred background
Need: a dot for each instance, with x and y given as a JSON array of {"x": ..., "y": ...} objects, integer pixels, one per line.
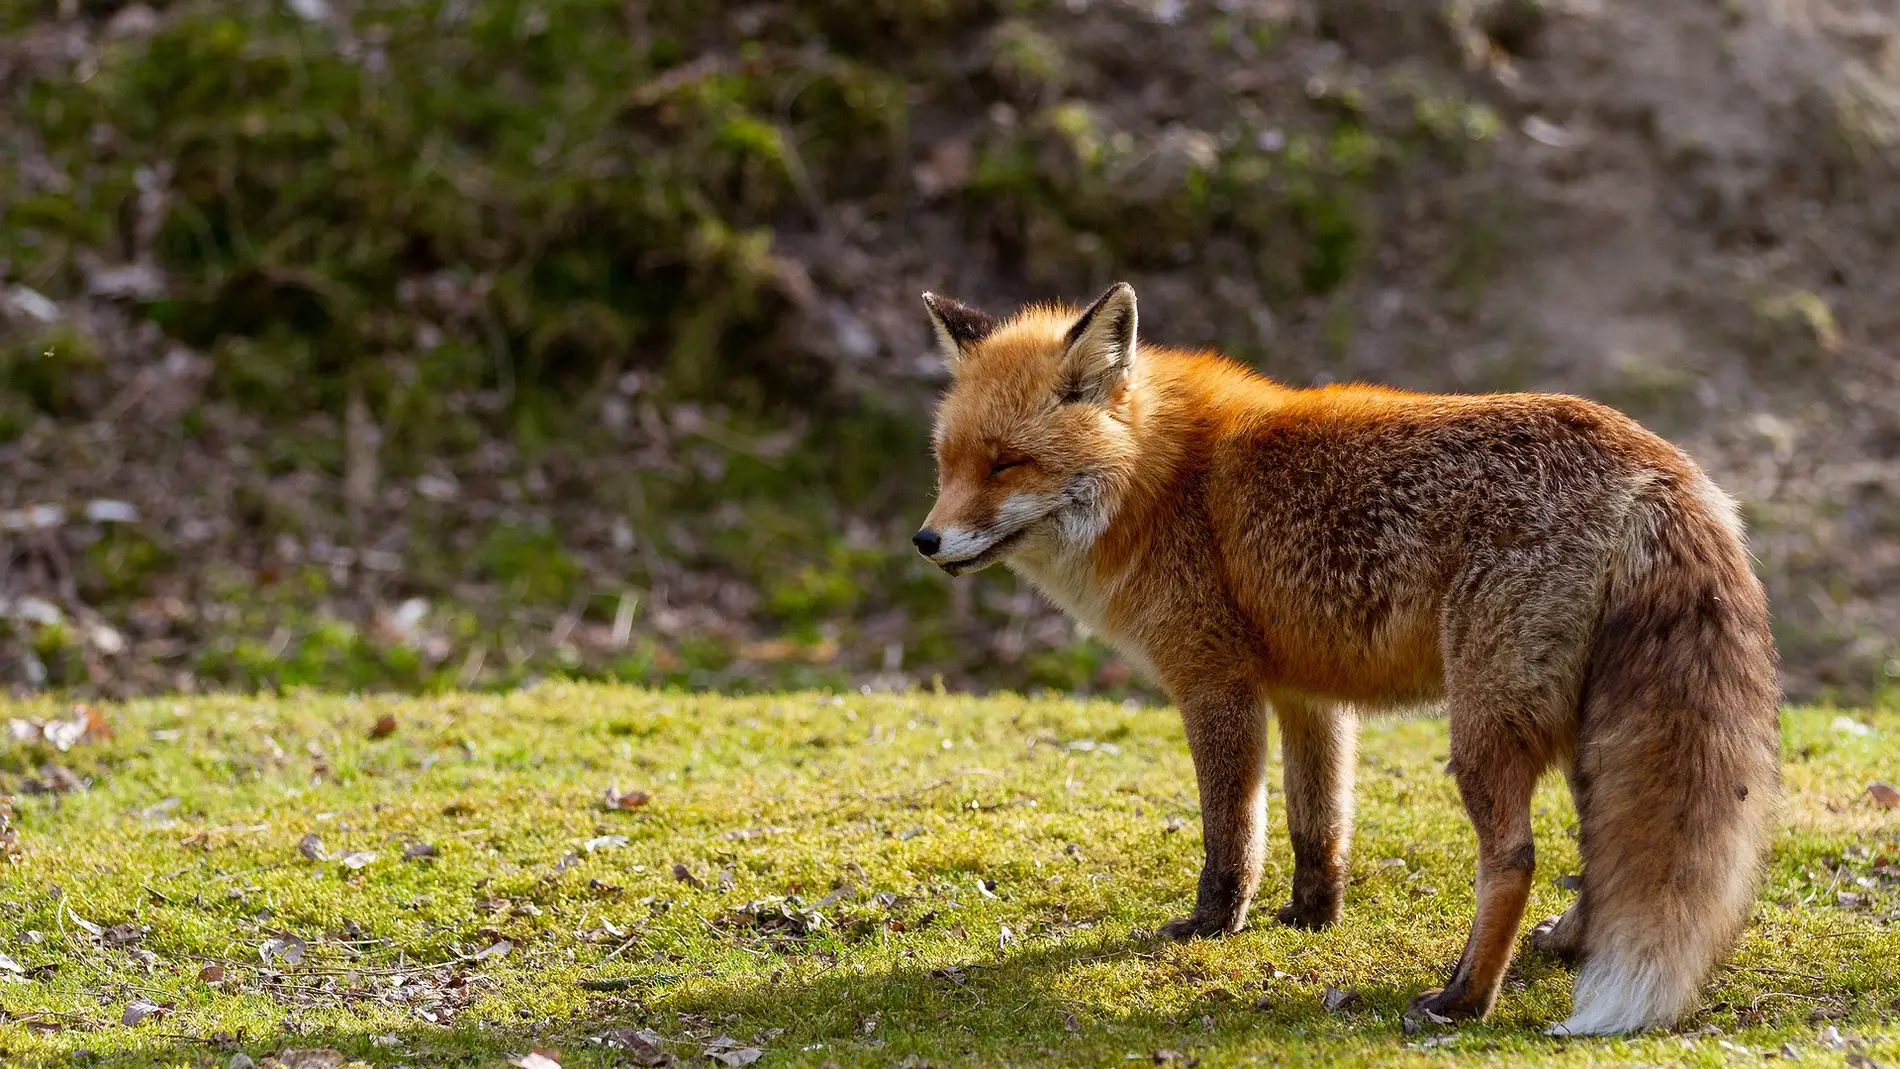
[{"x": 393, "y": 344}]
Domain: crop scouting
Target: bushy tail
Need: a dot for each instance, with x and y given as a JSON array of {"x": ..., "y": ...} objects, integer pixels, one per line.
[{"x": 1678, "y": 769}]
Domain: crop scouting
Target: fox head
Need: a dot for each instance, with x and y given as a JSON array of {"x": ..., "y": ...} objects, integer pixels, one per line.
[{"x": 1035, "y": 434}]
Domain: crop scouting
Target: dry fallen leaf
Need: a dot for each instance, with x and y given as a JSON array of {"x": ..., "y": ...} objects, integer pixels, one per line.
[
  {"x": 9, "y": 838},
  {"x": 125, "y": 934},
  {"x": 311, "y": 846},
  {"x": 685, "y": 875},
  {"x": 613, "y": 799},
  {"x": 85, "y": 723},
  {"x": 604, "y": 842},
  {"x": 7, "y": 964},
  {"x": 160, "y": 812},
  {"x": 306, "y": 1058},
  {"x": 643, "y": 1046},
  {"x": 357, "y": 859},
  {"x": 735, "y": 1056},
  {"x": 141, "y": 1008},
  {"x": 284, "y": 947},
  {"x": 1885, "y": 793},
  {"x": 1336, "y": 999},
  {"x": 96, "y": 725},
  {"x": 419, "y": 852},
  {"x": 211, "y": 974},
  {"x": 538, "y": 1058},
  {"x": 384, "y": 727},
  {"x": 58, "y": 780},
  {"x": 497, "y": 949}
]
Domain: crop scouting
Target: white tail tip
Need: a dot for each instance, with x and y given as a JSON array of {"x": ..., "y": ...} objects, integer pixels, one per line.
[{"x": 1614, "y": 997}]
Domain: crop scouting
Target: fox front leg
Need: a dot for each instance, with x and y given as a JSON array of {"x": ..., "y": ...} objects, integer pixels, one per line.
[
  {"x": 1318, "y": 743},
  {"x": 1227, "y": 736}
]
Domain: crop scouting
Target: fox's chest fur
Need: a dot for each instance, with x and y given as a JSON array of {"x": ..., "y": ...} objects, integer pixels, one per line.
[{"x": 1067, "y": 577}]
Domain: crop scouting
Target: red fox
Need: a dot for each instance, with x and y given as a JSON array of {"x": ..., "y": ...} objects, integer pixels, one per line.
[{"x": 1570, "y": 587}]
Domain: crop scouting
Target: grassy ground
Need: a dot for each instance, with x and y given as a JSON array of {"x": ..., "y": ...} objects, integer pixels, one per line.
[{"x": 892, "y": 880}]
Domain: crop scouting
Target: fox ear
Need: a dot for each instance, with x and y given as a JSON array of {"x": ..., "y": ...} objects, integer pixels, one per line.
[
  {"x": 1101, "y": 347},
  {"x": 958, "y": 326}
]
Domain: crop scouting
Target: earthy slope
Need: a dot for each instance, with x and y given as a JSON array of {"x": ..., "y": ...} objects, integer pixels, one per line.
[{"x": 446, "y": 342}]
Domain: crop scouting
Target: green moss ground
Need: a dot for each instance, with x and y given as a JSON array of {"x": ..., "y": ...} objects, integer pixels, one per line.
[{"x": 946, "y": 880}]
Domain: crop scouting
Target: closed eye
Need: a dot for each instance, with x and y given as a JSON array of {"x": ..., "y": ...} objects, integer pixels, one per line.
[{"x": 1002, "y": 466}]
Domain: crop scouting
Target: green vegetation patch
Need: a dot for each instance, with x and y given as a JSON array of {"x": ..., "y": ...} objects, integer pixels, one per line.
[{"x": 620, "y": 876}]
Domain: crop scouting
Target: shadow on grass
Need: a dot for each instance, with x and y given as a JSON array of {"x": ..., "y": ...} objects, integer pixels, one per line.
[{"x": 1034, "y": 1005}]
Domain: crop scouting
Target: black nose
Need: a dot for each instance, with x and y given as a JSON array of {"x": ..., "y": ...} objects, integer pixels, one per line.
[{"x": 927, "y": 542}]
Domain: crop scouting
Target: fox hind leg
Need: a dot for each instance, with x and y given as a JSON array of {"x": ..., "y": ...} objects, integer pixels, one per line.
[
  {"x": 1496, "y": 775},
  {"x": 1562, "y": 936},
  {"x": 1516, "y": 636}
]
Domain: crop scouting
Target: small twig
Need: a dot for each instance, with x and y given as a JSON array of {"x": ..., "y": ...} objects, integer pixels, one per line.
[
  {"x": 322, "y": 970},
  {"x": 913, "y": 792},
  {"x": 249, "y": 871},
  {"x": 174, "y": 875},
  {"x": 37, "y": 1014},
  {"x": 1756, "y": 1001},
  {"x": 1780, "y": 972}
]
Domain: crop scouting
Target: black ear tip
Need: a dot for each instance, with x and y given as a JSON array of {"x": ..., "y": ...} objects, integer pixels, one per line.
[{"x": 964, "y": 325}]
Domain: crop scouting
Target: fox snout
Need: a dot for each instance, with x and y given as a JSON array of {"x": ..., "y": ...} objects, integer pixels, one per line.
[
  {"x": 957, "y": 550},
  {"x": 951, "y": 553},
  {"x": 930, "y": 543}
]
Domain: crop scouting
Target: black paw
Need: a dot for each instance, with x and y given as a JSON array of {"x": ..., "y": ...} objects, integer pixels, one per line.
[
  {"x": 1197, "y": 926},
  {"x": 1308, "y": 916},
  {"x": 1444, "y": 1005},
  {"x": 1554, "y": 937}
]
